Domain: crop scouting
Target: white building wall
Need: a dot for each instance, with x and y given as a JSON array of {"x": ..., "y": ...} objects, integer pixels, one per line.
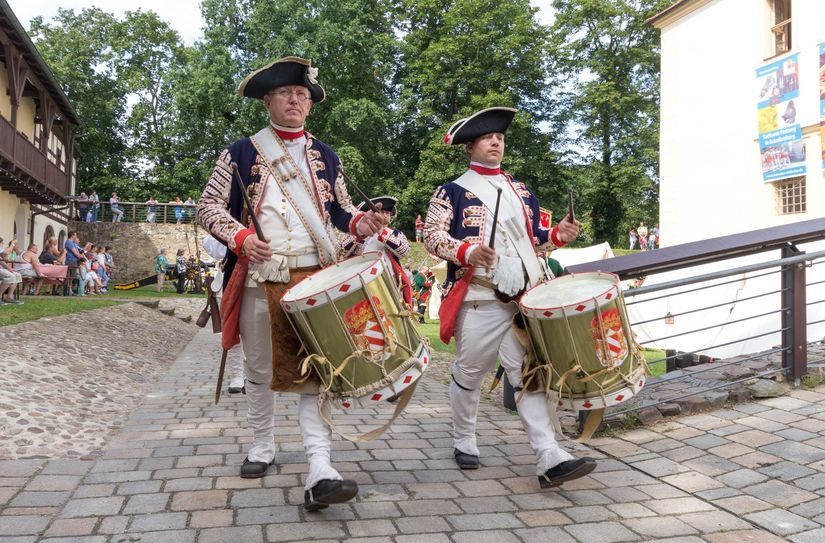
[{"x": 711, "y": 179}]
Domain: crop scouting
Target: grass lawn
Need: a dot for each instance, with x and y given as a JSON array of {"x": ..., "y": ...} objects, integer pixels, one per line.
[{"x": 35, "y": 307}]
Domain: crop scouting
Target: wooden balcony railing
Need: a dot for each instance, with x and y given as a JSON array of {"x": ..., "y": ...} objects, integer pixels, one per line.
[{"x": 16, "y": 148}]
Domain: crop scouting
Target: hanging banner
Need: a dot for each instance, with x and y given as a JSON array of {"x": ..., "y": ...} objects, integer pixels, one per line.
[
  {"x": 822, "y": 99},
  {"x": 780, "y": 134}
]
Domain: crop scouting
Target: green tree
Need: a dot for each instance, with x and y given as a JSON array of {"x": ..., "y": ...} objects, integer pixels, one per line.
[
  {"x": 77, "y": 47},
  {"x": 460, "y": 56},
  {"x": 608, "y": 56}
]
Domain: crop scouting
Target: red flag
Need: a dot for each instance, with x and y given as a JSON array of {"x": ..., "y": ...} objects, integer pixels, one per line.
[{"x": 451, "y": 305}]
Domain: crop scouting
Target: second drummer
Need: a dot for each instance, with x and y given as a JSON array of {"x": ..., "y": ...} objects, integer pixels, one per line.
[
  {"x": 297, "y": 194},
  {"x": 458, "y": 228}
]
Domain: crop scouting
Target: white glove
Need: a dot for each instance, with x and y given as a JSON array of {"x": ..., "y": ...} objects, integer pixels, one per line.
[
  {"x": 508, "y": 275},
  {"x": 275, "y": 270}
]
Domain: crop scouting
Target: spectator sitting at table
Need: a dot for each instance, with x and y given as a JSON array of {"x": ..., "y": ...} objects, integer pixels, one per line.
[
  {"x": 29, "y": 269},
  {"x": 110, "y": 261},
  {"x": 102, "y": 270},
  {"x": 51, "y": 254},
  {"x": 11, "y": 253},
  {"x": 9, "y": 279},
  {"x": 93, "y": 282}
]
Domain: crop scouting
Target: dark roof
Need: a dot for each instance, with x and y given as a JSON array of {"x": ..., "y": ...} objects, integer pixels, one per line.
[
  {"x": 18, "y": 36},
  {"x": 668, "y": 10}
]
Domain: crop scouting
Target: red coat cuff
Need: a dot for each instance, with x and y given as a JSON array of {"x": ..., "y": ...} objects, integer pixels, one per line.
[
  {"x": 462, "y": 251},
  {"x": 353, "y": 224},
  {"x": 554, "y": 237},
  {"x": 240, "y": 237}
]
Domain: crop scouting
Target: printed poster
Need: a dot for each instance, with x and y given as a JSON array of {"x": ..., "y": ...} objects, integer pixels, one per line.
[{"x": 780, "y": 134}]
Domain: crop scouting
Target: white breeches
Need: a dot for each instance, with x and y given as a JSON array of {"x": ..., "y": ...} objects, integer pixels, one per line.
[
  {"x": 257, "y": 349},
  {"x": 483, "y": 334}
]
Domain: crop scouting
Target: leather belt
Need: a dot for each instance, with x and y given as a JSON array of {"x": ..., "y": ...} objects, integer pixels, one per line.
[{"x": 480, "y": 281}]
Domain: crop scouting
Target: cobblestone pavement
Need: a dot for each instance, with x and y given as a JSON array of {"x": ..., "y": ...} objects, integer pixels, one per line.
[{"x": 755, "y": 472}]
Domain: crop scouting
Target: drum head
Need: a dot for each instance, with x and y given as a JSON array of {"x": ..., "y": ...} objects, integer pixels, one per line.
[
  {"x": 336, "y": 276},
  {"x": 569, "y": 290}
]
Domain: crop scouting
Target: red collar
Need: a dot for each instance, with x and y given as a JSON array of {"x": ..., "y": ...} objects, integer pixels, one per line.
[
  {"x": 284, "y": 135},
  {"x": 485, "y": 171}
]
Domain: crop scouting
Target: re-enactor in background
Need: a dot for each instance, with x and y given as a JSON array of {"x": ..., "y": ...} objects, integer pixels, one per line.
[
  {"x": 297, "y": 194},
  {"x": 458, "y": 228}
]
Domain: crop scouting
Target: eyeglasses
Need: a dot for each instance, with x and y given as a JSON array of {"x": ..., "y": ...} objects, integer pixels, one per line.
[{"x": 286, "y": 94}]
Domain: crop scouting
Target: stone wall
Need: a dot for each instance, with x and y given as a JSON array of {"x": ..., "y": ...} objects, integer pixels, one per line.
[{"x": 135, "y": 245}]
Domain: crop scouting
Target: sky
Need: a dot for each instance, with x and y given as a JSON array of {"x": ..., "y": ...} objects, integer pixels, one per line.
[{"x": 183, "y": 15}]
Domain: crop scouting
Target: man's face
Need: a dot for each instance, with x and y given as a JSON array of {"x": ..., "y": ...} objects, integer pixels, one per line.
[
  {"x": 487, "y": 149},
  {"x": 289, "y": 105}
]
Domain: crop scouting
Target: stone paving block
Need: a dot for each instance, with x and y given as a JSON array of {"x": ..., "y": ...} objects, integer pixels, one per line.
[
  {"x": 546, "y": 517},
  {"x": 706, "y": 441},
  {"x": 692, "y": 481},
  {"x": 64, "y": 527},
  {"x": 659, "y": 467},
  {"x": 377, "y": 510},
  {"x": 485, "y": 504},
  {"x": 422, "y": 525},
  {"x": 761, "y": 424},
  {"x": 423, "y": 538},
  {"x": 630, "y": 510},
  {"x": 718, "y": 493},
  {"x": 268, "y": 515},
  {"x": 780, "y": 494},
  {"x": 484, "y": 521},
  {"x": 20, "y": 468},
  {"x": 192, "y": 483},
  {"x": 117, "y": 477},
  {"x": 601, "y": 532},
  {"x": 146, "y": 503},
  {"x": 543, "y": 535},
  {"x": 53, "y": 482},
  {"x": 199, "y": 499},
  {"x": 683, "y": 453},
  {"x": 82, "y": 539},
  {"x": 247, "y": 534},
  {"x": 659, "y": 526},
  {"x": 730, "y": 450},
  {"x": 39, "y": 499},
  {"x": 93, "y": 507},
  {"x": 741, "y": 478},
  {"x": 812, "y": 536},
  {"x": 138, "y": 487},
  {"x": 418, "y": 507},
  {"x": 305, "y": 531},
  {"x": 796, "y": 434},
  {"x": 490, "y": 536},
  {"x": 744, "y": 536},
  {"x": 810, "y": 509},
  {"x": 113, "y": 525},
  {"x": 661, "y": 491},
  {"x": 795, "y": 452},
  {"x": 785, "y": 403},
  {"x": 678, "y": 506},
  {"x": 590, "y": 513},
  {"x": 781, "y": 522},
  {"x": 22, "y": 524},
  {"x": 813, "y": 483},
  {"x": 102, "y": 466},
  {"x": 482, "y": 488},
  {"x": 377, "y": 493},
  {"x": 714, "y": 521},
  {"x": 214, "y": 519},
  {"x": 170, "y": 536},
  {"x": 756, "y": 460},
  {"x": 623, "y": 494},
  {"x": 65, "y": 466},
  {"x": 158, "y": 521}
]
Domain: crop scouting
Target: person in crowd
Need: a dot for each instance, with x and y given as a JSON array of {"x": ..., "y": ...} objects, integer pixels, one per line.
[
  {"x": 299, "y": 239},
  {"x": 9, "y": 279},
  {"x": 83, "y": 278},
  {"x": 82, "y": 206},
  {"x": 29, "y": 269},
  {"x": 74, "y": 254},
  {"x": 12, "y": 251},
  {"x": 110, "y": 261},
  {"x": 151, "y": 209},
  {"x": 419, "y": 228},
  {"x": 94, "y": 202},
  {"x": 655, "y": 233},
  {"x": 189, "y": 206},
  {"x": 161, "y": 267},
  {"x": 102, "y": 269},
  {"x": 51, "y": 254},
  {"x": 423, "y": 285},
  {"x": 178, "y": 209},
  {"x": 117, "y": 212},
  {"x": 642, "y": 232},
  {"x": 632, "y": 238},
  {"x": 181, "y": 268},
  {"x": 456, "y": 229},
  {"x": 94, "y": 282}
]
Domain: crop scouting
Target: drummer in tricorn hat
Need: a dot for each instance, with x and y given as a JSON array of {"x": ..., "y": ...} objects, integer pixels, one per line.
[
  {"x": 297, "y": 195},
  {"x": 458, "y": 228}
]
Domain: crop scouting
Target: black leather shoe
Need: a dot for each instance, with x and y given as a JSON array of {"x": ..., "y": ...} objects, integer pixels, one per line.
[
  {"x": 236, "y": 390},
  {"x": 254, "y": 470},
  {"x": 567, "y": 471},
  {"x": 464, "y": 460},
  {"x": 329, "y": 491}
]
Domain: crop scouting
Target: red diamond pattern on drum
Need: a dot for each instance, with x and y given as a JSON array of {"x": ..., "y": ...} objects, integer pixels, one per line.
[
  {"x": 374, "y": 271},
  {"x": 608, "y": 296},
  {"x": 620, "y": 397},
  {"x": 375, "y": 397},
  {"x": 641, "y": 382},
  {"x": 425, "y": 360},
  {"x": 547, "y": 313},
  {"x": 580, "y": 308},
  {"x": 408, "y": 379},
  {"x": 346, "y": 404},
  {"x": 345, "y": 287},
  {"x": 312, "y": 301},
  {"x": 587, "y": 405}
]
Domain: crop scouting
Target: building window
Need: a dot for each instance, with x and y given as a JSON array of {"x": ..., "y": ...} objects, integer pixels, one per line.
[
  {"x": 47, "y": 235},
  {"x": 780, "y": 26},
  {"x": 790, "y": 196}
]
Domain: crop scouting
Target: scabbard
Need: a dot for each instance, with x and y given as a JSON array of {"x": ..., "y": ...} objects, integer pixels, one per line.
[{"x": 219, "y": 384}]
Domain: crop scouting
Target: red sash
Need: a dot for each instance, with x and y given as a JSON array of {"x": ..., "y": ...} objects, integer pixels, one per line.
[
  {"x": 231, "y": 305},
  {"x": 451, "y": 305}
]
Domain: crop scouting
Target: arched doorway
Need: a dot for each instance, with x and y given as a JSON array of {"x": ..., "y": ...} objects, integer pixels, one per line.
[
  {"x": 47, "y": 235},
  {"x": 61, "y": 239}
]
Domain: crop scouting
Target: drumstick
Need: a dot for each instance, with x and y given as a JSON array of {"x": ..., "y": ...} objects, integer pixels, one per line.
[
  {"x": 237, "y": 177},
  {"x": 360, "y": 192},
  {"x": 570, "y": 212},
  {"x": 492, "y": 243}
]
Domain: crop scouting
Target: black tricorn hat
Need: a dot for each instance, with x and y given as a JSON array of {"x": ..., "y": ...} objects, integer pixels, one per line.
[
  {"x": 494, "y": 119},
  {"x": 387, "y": 204},
  {"x": 282, "y": 72}
]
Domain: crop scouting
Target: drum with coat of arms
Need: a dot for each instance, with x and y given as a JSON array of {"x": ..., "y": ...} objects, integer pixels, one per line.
[{"x": 578, "y": 329}]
